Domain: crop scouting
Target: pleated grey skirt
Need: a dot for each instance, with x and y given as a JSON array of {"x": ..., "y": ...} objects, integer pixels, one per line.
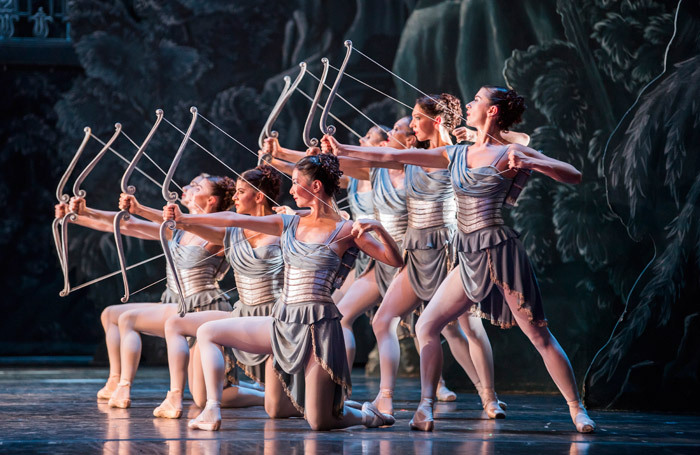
[
  {"x": 428, "y": 258},
  {"x": 309, "y": 328},
  {"x": 493, "y": 258}
]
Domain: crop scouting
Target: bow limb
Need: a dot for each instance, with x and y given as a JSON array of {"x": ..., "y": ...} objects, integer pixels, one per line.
[
  {"x": 171, "y": 197},
  {"x": 124, "y": 214},
  {"x": 288, "y": 94},
  {"x": 265, "y": 132},
  {"x": 72, "y": 216},
  {"x": 64, "y": 198},
  {"x": 308, "y": 141},
  {"x": 330, "y": 129}
]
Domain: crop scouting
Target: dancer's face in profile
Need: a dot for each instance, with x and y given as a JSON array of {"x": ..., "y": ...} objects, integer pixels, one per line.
[
  {"x": 401, "y": 136},
  {"x": 245, "y": 199},
  {"x": 373, "y": 138},
  {"x": 422, "y": 125},
  {"x": 303, "y": 188},
  {"x": 187, "y": 190},
  {"x": 201, "y": 198},
  {"x": 479, "y": 109}
]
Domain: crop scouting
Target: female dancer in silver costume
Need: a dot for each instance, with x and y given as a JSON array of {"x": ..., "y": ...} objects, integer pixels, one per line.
[
  {"x": 303, "y": 333},
  {"x": 494, "y": 279},
  {"x": 430, "y": 227},
  {"x": 201, "y": 265},
  {"x": 256, "y": 260}
]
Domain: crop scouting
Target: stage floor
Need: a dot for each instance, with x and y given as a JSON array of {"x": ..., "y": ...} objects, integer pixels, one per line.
[{"x": 53, "y": 410}]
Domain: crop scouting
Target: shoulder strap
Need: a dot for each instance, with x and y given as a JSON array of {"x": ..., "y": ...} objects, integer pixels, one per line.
[
  {"x": 335, "y": 232},
  {"x": 501, "y": 155}
]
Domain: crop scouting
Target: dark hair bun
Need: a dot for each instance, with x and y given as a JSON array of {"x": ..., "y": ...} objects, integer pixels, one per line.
[
  {"x": 224, "y": 188},
  {"x": 511, "y": 106},
  {"x": 323, "y": 167},
  {"x": 447, "y": 107},
  {"x": 265, "y": 179}
]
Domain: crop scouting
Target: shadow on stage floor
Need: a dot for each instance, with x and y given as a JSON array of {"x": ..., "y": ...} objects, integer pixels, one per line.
[{"x": 53, "y": 410}]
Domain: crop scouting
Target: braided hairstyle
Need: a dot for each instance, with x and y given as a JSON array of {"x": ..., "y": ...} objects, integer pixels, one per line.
[
  {"x": 224, "y": 188},
  {"x": 510, "y": 105},
  {"x": 324, "y": 168},
  {"x": 265, "y": 179},
  {"x": 446, "y": 106}
]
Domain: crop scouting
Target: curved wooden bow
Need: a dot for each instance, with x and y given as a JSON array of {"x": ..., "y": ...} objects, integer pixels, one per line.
[
  {"x": 287, "y": 93},
  {"x": 308, "y": 140},
  {"x": 171, "y": 197},
  {"x": 130, "y": 189},
  {"x": 64, "y": 198},
  {"x": 78, "y": 192},
  {"x": 330, "y": 129}
]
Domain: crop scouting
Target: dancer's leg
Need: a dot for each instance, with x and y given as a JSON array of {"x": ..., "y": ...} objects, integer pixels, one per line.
[
  {"x": 149, "y": 319},
  {"x": 555, "y": 360},
  {"x": 447, "y": 304},
  {"x": 398, "y": 301},
  {"x": 482, "y": 355},
  {"x": 363, "y": 295},
  {"x": 110, "y": 319},
  {"x": 277, "y": 403},
  {"x": 251, "y": 334},
  {"x": 319, "y": 403}
]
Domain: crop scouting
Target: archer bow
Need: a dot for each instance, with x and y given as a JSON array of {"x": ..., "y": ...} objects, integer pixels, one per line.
[
  {"x": 170, "y": 197},
  {"x": 308, "y": 140},
  {"x": 65, "y": 198},
  {"x": 78, "y": 192},
  {"x": 124, "y": 214},
  {"x": 287, "y": 92},
  {"x": 330, "y": 129}
]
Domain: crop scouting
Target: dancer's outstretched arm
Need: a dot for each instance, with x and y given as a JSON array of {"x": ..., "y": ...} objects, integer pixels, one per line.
[
  {"x": 434, "y": 158},
  {"x": 103, "y": 220}
]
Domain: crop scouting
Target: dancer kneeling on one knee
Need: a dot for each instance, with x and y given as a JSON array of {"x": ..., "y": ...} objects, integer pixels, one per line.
[{"x": 310, "y": 374}]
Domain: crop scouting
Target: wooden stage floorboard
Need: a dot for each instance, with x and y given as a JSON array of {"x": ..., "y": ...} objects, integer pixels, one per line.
[{"x": 54, "y": 410}]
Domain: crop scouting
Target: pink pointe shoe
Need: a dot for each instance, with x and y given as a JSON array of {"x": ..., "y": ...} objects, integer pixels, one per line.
[
  {"x": 171, "y": 407},
  {"x": 423, "y": 418},
  {"x": 579, "y": 416},
  {"x": 121, "y": 396},
  {"x": 211, "y": 411},
  {"x": 373, "y": 418}
]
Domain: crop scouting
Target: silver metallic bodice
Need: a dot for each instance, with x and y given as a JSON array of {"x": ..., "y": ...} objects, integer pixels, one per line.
[
  {"x": 310, "y": 268},
  {"x": 389, "y": 203},
  {"x": 394, "y": 223},
  {"x": 258, "y": 271},
  {"x": 302, "y": 285},
  {"x": 258, "y": 290},
  {"x": 480, "y": 192},
  {"x": 197, "y": 268},
  {"x": 476, "y": 213},
  {"x": 424, "y": 214}
]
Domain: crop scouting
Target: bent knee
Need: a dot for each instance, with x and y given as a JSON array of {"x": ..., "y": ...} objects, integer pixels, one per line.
[
  {"x": 126, "y": 320},
  {"x": 427, "y": 330},
  {"x": 317, "y": 423}
]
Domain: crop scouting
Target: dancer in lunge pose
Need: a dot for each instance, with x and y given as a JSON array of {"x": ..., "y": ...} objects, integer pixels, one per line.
[
  {"x": 494, "y": 279},
  {"x": 431, "y": 224},
  {"x": 201, "y": 264},
  {"x": 256, "y": 260},
  {"x": 303, "y": 333}
]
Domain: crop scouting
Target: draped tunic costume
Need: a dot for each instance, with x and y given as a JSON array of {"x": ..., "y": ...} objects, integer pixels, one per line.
[
  {"x": 431, "y": 224},
  {"x": 488, "y": 251},
  {"x": 362, "y": 207},
  {"x": 305, "y": 317},
  {"x": 259, "y": 274},
  {"x": 390, "y": 210},
  {"x": 199, "y": 272}
]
